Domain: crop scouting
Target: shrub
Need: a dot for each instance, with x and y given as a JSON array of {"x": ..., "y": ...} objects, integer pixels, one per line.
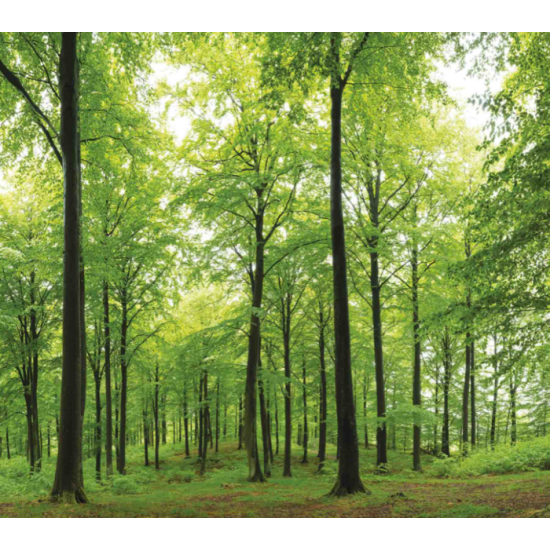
[
  {"x": 125, "y": 485},
  {"x": 526, "y": 456}
]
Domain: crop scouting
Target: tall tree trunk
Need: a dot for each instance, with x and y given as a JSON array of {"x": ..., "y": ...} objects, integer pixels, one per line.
[
  {"x": 108, "y": 397},
  {"x": 145, "y": 434},
  {"x": 417, "y": 374},
  {"x": 164, "y": 425},
  {"x": 68, "y": 485},
  {"x": 8, "y": 450},
  {"x": 468, "y": 371},
  {"x": 186, "y": 421},
  {"x": 218, "y": 416},
  {"x": 473, "y": 395},
  {"x": 348, "y": 480},
  {"x": 287, "y": 471},
  {"x": 97, "y": 380},
  {"x": 156, "y": 416},
  {"x": 205, "y": 418},
  {"x": 123, "y": 380},
  {"x": 304, "y": 397},
  {"x": 381, "y": 430},
  {"x": 250, "y": 429},
  {"x": 264, "y": 420},
  {"x": 445, "y": 442},
  {"x": 513, "y": 415},
  {"x": 323, "y": 395},
  {"x": 34, "y": 379},
  {"x": 436, "y": 410},
  {"x": 466, "y": 396},
  {"x": 240, "y": 424}
]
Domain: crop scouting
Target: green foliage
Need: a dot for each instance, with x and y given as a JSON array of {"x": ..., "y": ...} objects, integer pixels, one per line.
[
  {"x": 526, "y": 456},
  {"x": 125, "y": 485}
]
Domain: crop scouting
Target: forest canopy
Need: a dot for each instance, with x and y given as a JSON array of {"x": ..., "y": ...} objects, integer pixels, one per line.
[{"x": 299, "y": 251}]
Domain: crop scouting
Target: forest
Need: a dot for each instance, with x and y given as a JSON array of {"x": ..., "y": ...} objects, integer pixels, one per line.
[{"x": 278, "y": 274}]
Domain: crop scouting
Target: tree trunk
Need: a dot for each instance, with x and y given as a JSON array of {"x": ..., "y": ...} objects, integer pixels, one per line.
[
  {"x": 123, "y": 381},
  {"x": 186, "y": 421},
  {"x": 323, "y": 396},
  {"x": 348, "y": 480},
  {"x": 97, "y": 381},
  {"x": 287, "y": 471},
  {"x": 250, "y": 436},
  {"x": 218, "y": 416},
  {"x": 108, "y": 397},
  {"x": 145, "y": 434},
  {"x": 304, "y": 396},
  {"x": 513, "y": 415},
  {"x": 156, "y": 416},
  {"x": 465, "y": 397},
  {"x": 445, "y": 443},
  {"x": 417, "y": 375},
  {"x": 381, "y": 431},
  {"x": 264, "y": 421},
  {"x": 240, "y": 424},
  {"x": 68, "y": 485},
  {"x": 473, "y": 394}
]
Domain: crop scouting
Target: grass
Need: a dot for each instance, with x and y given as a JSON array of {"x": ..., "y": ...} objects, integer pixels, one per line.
[{"x": 177, "y": 490}]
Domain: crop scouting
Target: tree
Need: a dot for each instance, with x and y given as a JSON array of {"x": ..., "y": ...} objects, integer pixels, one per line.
[{"x": 68, "y": 485}]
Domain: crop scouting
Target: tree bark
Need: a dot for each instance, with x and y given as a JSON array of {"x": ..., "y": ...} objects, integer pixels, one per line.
[
  {"x": 445, "y": 442},
  {"x": 108, "y": 396},
  {"x": 156, "y": 416},
  {"x": 123, "y": 381},
  {"x": 255, "y": 473},
  {"x": 494, "y": 405},
  {"x": 473, "y": 395},
  {"x": 348, "y": 481},
  {"x": 304, "y": 397},
  {"x": 285, "y": 318},
  {"x": 417, "y": 375},
  {"x": 68, "y": 485},
  {"x": 323, "y": 395}
]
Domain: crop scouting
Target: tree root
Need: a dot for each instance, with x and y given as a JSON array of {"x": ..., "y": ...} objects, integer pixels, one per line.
[{"x": 340, "y": 490}]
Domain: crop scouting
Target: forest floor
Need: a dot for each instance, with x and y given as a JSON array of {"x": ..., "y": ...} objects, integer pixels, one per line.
[{"x": 177, "y": 490}]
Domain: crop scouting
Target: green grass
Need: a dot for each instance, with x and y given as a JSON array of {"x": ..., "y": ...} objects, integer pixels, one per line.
[{"x": 177, "y": 490}]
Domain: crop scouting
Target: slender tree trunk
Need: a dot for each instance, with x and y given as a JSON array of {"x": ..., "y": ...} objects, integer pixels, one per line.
[
  {"x": 123, "y": 380},
  {"x": 417, "y": 376},
  {"x": 186, "y": 421},
  {"x": 513, "y": 415},
  {"x": 240, "y": 424},
  {"x": 156, "y": 415},
  {"x": 473, "y": 394},
  {"x": 250, "y": 429},
  {"x": 218, "y": 416},
  {"x": 365, "y": 409},
  {"x": 348, "y": 480},
  {"x": 468, "y": 372},
  {"x": 205, "y": 417},
  {"x": 323, "y": 395},
  {"x": 68, "y": 485},
  {"x": 8, "y": 451},
  {"x": 145, "y": 434},
  {"x": 381, "y": 431},
  {"x": 445, "y": 442},
  {"x": 97, "y": 381},
  {"x": 276, "y": 426},
  {"x": 264, "y": 421},
  {"x": 287, "y": 471},
  {"x": 304, "y": 397},
  {"x": 465, "y": 397},
  {"x": 108, "y": 397}
]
